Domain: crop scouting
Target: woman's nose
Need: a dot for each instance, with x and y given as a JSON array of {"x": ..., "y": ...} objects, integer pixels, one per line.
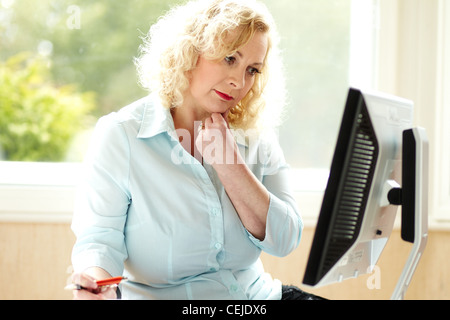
[{"x": 237, "y": 79}]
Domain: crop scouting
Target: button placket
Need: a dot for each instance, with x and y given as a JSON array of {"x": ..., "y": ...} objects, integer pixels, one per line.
[
  {"x": 206, "y": 176},
  {"x": 217, "y": 234},
  {"x": 215, "y": 219}
]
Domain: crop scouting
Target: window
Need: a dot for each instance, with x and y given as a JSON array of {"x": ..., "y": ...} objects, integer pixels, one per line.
[
  {"x": 327, "y": 45},
  {"x": 315, "y": 39}
]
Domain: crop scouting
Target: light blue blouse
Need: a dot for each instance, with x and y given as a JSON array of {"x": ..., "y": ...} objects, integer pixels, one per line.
[{"x": 146, "y": 209}]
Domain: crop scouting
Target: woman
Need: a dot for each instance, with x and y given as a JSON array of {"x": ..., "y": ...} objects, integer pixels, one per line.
[{"x": 184, "y": 188}]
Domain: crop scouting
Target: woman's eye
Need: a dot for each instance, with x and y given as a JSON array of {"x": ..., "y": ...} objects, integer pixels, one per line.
[
  {"x": 230, "y": 60},
  {"x": 253, "y": 71}
]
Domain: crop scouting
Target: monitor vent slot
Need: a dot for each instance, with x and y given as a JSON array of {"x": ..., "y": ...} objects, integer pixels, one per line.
[{"x": 361, "y": 161}]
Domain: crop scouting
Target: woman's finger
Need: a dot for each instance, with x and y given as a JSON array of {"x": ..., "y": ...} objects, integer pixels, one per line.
[{"x": 84, "y": 280}]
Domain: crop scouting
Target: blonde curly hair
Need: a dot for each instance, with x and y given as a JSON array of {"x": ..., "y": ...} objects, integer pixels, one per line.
[{"x": 173, "y": 45}]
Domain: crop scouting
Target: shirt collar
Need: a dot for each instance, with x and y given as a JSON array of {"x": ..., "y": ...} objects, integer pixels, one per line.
[{"x": 156, "y": 119}]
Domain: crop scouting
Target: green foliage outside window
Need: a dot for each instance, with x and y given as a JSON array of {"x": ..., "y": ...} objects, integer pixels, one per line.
[
  {"x": 75, "y": 47},
  {"x": 37, "y": 118}
]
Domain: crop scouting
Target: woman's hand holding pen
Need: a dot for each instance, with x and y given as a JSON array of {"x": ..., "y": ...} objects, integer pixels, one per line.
[{"x": 88, "y": 289}]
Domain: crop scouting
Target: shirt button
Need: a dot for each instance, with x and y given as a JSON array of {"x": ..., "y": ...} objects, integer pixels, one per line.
[
  {"x": 215, "y": 211},
  {"x": 218, "y": 245},
  {"x": 234, "y": 288}
]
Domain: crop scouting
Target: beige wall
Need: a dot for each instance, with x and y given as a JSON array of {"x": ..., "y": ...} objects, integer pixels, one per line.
[
  {"x": 35, "y": 264},
  {"x": 35, "y": 260}
]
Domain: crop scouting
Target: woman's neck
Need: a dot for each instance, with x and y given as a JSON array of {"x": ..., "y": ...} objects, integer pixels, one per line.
[{"x": 187, "y": 121}]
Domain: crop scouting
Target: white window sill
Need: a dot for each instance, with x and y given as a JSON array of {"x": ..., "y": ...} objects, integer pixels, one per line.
[
  {"x": 37, "y": 192},
  {"x": 45, "y": 192}
]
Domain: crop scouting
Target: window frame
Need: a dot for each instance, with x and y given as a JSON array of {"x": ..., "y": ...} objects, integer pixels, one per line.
[
  {"x": 414, "y": 42},
  {"x": 441, "y": 188}
]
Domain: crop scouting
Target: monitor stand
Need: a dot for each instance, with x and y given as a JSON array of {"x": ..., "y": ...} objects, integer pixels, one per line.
[{"x": 413, "y": 197}]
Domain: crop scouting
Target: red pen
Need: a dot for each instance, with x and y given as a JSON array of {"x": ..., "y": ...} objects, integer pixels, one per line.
[{"x": 104, "y": 283}]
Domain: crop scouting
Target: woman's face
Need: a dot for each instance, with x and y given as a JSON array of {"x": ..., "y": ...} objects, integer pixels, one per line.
[{"x": 218, "y": 86}]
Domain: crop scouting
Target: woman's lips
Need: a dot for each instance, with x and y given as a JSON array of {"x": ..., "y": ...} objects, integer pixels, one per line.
[{"x": 224, "y": 96}]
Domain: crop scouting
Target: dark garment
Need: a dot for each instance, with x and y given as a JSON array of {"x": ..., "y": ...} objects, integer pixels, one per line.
[{"x": 294, "y": 293}]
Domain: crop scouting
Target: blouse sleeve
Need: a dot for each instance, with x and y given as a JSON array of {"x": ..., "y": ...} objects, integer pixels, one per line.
[
  {"x": 284, "y": 224},
  {"x": 102, "y": 201}
]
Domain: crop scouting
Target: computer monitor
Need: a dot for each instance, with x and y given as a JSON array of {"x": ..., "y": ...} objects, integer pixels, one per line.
[{"x": 380, "y": 162}]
